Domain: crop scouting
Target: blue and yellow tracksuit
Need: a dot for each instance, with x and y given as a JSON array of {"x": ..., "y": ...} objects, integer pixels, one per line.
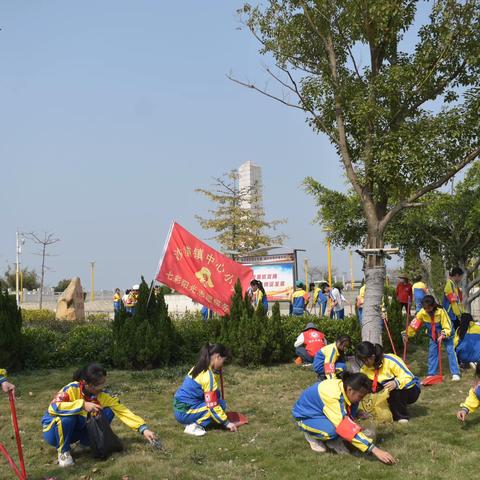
[
  {"x": 189, "y": 404},
  {"x": 468, "y": 349},
  {"x": 320, "y": 299},
  {"x": 299, "y": 301},
  {"x": 206, "y": 313},
  {"x": 322, "y": 407},
  {"x": 259, "y": 297},
  {"x": 328, "y": 361},
  {"x": 117, "y": 302},
  {"x": 392, "y": 368},
  {"x": 3, "y": 375},
  {"x": 64, "y": 422},
  {"x": 452, "y": 300},
  {"x": 360, "y": 302},
  {"x": 472, "y": 402},
  {"x": 436, "y": 324},
  {"x": 419, "y": 290}
]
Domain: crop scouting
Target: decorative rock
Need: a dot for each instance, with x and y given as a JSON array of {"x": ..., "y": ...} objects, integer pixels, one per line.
[{"x": 70, "y": 305}]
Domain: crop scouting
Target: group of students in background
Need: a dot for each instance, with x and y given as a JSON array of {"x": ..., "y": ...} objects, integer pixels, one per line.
[
  {"x": 320, "y": 295},
  {"x": 128, "y": 299}
]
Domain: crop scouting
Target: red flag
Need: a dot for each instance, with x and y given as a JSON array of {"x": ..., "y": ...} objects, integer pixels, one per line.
[{"x": 191, "y": 267}]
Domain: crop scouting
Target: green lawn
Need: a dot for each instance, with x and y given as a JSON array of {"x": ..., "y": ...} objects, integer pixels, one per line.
[{"x": 433, "y": 445}]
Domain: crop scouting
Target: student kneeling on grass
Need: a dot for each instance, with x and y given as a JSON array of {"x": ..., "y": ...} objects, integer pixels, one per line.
[
  {"x": 389, "y": 371},
  {"x": 198, "y": 401},
  {"x": 472, "y": 402},
  {"x": 325, "y": 412},
  {"x": 64, "y": 422},
  {"x": 330, "y": 359}
]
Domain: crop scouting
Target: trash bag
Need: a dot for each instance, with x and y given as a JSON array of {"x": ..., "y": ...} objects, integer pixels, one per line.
[
  {"x": 103, "y": 442},
  {"x": 376, "y": 405}
]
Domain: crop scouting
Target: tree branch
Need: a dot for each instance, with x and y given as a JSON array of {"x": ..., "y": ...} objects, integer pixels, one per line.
[
  {"x": 474, "y": 267},
  {"x": 473, "y": 297},
  {"x": 471, "y": 284}
]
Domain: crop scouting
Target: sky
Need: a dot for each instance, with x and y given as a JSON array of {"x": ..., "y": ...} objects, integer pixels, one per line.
[{"x": 113, "y": 112}]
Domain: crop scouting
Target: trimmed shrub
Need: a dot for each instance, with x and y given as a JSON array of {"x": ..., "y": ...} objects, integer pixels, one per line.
[
  {"x": 89, "y": 343},
  {"x": 11, "y": 341},
  {"x": 43, "y": 348},
  {"x": 36, "y": 315}
]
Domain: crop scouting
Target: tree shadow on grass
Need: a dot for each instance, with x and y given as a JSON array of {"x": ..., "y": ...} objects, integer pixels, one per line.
[{"x": 418, "y": 411}]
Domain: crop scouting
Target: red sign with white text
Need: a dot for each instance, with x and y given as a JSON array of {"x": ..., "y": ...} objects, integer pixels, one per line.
[{"x": 191, "y": 267}]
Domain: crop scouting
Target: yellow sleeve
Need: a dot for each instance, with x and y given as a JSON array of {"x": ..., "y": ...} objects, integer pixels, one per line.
[
  {"x": 416, "y": 324},
  {"x": 403, "y": 376},
  {"x": 335, "y": 411},
  {"x": 445, "y": 323},
  {"x": 209, "y": 383},
  {"x": 122, "y": 412},
  {"x": 3, "y": 375},
  {"x": 472, "y": 402},
  {"x": 453, "y": 297},
  {"x": 315, "y": 296},
  {"x": 66, "y": 403}
]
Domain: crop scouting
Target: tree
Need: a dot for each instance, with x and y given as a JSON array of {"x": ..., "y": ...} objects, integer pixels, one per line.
[
  {"x": 47, "y": 240},
  {"x": 393, "y": 145},
  {"x": 30, "y": 278},
  {"x": 321, "y": 272},
  {"x": 238, "y": 220},
  {"x": 11, "y": 342},
  {"x": 62, "y": 285},
  {"x": 447, "y": 226}
]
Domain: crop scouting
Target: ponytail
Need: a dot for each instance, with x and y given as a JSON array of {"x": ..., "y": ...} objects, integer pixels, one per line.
[
  {"x": 465, "y": 320},
  {"x": 205, "y": 356},
  {"x": 365, "y": 350}
]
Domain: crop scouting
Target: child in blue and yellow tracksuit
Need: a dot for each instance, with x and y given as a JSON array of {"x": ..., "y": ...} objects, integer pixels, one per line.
[
  {"x": 329, "y": 360},
  {"x": 438, "y": 327},
  {"x": 325, "y": 412},
  {"x": 388, "y": 371},
  {"x": 419, "y": 290},
  {"x": 299, "y": 300},
  {"x": 64, "y": 422},
  {"x": 467, "y": 340},
  {"x": 452, "y": 296},
  {"x": 472, "y": 402},
  {"x": 259, "y": 296},
  {"x": 199, "y": 400},
  {"x": 4, "y": 383}
]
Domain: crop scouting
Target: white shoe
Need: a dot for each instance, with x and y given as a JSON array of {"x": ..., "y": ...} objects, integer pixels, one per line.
[
  {"x": 473, "y": 365},
  {"x": 65, "y": 460},
  {"x": 195, "y": 429},
  {"x": 338, "y": 446},
  {"x": 315, "y": 444},
  {"x": 455, "y": 378},
  {"x": 403, "y": 420}
]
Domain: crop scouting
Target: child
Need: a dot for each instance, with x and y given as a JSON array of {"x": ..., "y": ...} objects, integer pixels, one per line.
[
  {"x": 390, "y": 372},
  {"x": 258, "y": 295},
  {"x": 323, "y": 299},
  {"x": 338, "y": 301},
  {"x": 467, "y": 341},
  {"x": 438, "y": 328},
  {"x": 330, "y": 360},
  {"x": 472, "y": 402},
  {"x": 309, "y": 342},
  {"x": 199, "y": 400},
  {"x": 117, "y": 300},
  {"x": 299, "y": 300},
  {"x": 325, "y": 413},
  {"x": 6, "y": 385},
  {"x": 206, "y": 313},
  {"x": 360, "y": 301},
  {"x": 64, "y": 422},
  {"x": 419, "y": 290},
  {"x": 452, "y": 296}
]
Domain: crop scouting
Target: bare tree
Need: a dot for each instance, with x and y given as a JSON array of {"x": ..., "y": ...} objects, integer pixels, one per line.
[{"x": 48, "y": 239}]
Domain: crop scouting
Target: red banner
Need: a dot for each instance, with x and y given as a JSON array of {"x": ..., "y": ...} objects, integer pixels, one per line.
[{"x": 191, "y": 267}]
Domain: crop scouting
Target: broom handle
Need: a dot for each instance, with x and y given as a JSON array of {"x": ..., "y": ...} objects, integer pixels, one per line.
[
  {"x": 11, "y": 462},
  {"x": 385, "y": 321},
  {"x": 17, "y": 434}
]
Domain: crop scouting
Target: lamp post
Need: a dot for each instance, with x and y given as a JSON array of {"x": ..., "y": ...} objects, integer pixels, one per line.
[
  {"x": 20, "y": 240},
  {"x": 92, "y": 294},
  {"x": 351, "y": 269}
]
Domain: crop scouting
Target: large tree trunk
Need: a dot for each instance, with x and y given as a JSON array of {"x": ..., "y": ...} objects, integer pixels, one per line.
[{"x": 375, "y": 273}]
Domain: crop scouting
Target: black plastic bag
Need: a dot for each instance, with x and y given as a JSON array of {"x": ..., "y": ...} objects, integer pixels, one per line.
[{"x": 103, "y": 442}]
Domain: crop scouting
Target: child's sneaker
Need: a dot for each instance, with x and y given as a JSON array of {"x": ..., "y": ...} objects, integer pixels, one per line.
[
  {"x": 65, "y": 460},
  {"x": 195, "y": 429},
  {"x": 473, "y": 365},
  {"x": 315, "y": 444},
  {"x": 403, "y": 420},
  {"x": 455, "y": 378},
  {"x": 338, "y": 446}
]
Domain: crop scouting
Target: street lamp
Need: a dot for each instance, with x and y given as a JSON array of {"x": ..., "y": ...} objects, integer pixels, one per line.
[{"x": 20, "y": 241}]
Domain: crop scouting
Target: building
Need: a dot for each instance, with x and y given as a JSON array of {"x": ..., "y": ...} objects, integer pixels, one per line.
[{"x": 250, "y": 179}]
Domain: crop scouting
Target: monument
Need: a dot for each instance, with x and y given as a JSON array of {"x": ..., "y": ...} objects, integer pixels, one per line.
[{"x": 70, "y": 305}]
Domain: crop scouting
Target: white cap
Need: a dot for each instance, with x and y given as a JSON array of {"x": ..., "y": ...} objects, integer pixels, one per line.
[{"x": 136, "y": 287}]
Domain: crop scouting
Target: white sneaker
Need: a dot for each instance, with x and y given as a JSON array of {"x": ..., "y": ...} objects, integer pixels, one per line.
[
  {"x": 473, "y": 365},
  {"x": 315, "y": 444},
  {"x": 337, "y": 445},
  {"x": 455, "y": 378},
  {"x": 65, "y": 460},
  {"x": 195, "y": 429},
  {"x": 403, "y": 420}
]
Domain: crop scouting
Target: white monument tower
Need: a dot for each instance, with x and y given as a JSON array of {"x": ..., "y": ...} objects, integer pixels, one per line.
[{"x": 250, "y": 177}]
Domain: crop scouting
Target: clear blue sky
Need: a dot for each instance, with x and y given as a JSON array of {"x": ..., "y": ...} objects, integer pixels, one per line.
[{"x": 113, "y": 112}]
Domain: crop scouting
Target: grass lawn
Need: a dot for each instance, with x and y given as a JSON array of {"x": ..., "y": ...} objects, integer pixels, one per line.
[{"x": 433, "y": 445}]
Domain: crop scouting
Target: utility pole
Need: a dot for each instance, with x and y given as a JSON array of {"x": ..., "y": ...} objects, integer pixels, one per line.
[
  {"x": 20, "y": 240},
  {"x": 351, "y": 269},
  {"x": 305, "y": 267},
  {"x": 92, "y": 295}
]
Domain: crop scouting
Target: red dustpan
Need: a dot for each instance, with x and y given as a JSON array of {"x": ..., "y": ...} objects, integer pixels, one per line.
[
  {"x": 237, "y": 418},
  {"x": 19, "y": 472},
  {"x": 435, "y": 379}
]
